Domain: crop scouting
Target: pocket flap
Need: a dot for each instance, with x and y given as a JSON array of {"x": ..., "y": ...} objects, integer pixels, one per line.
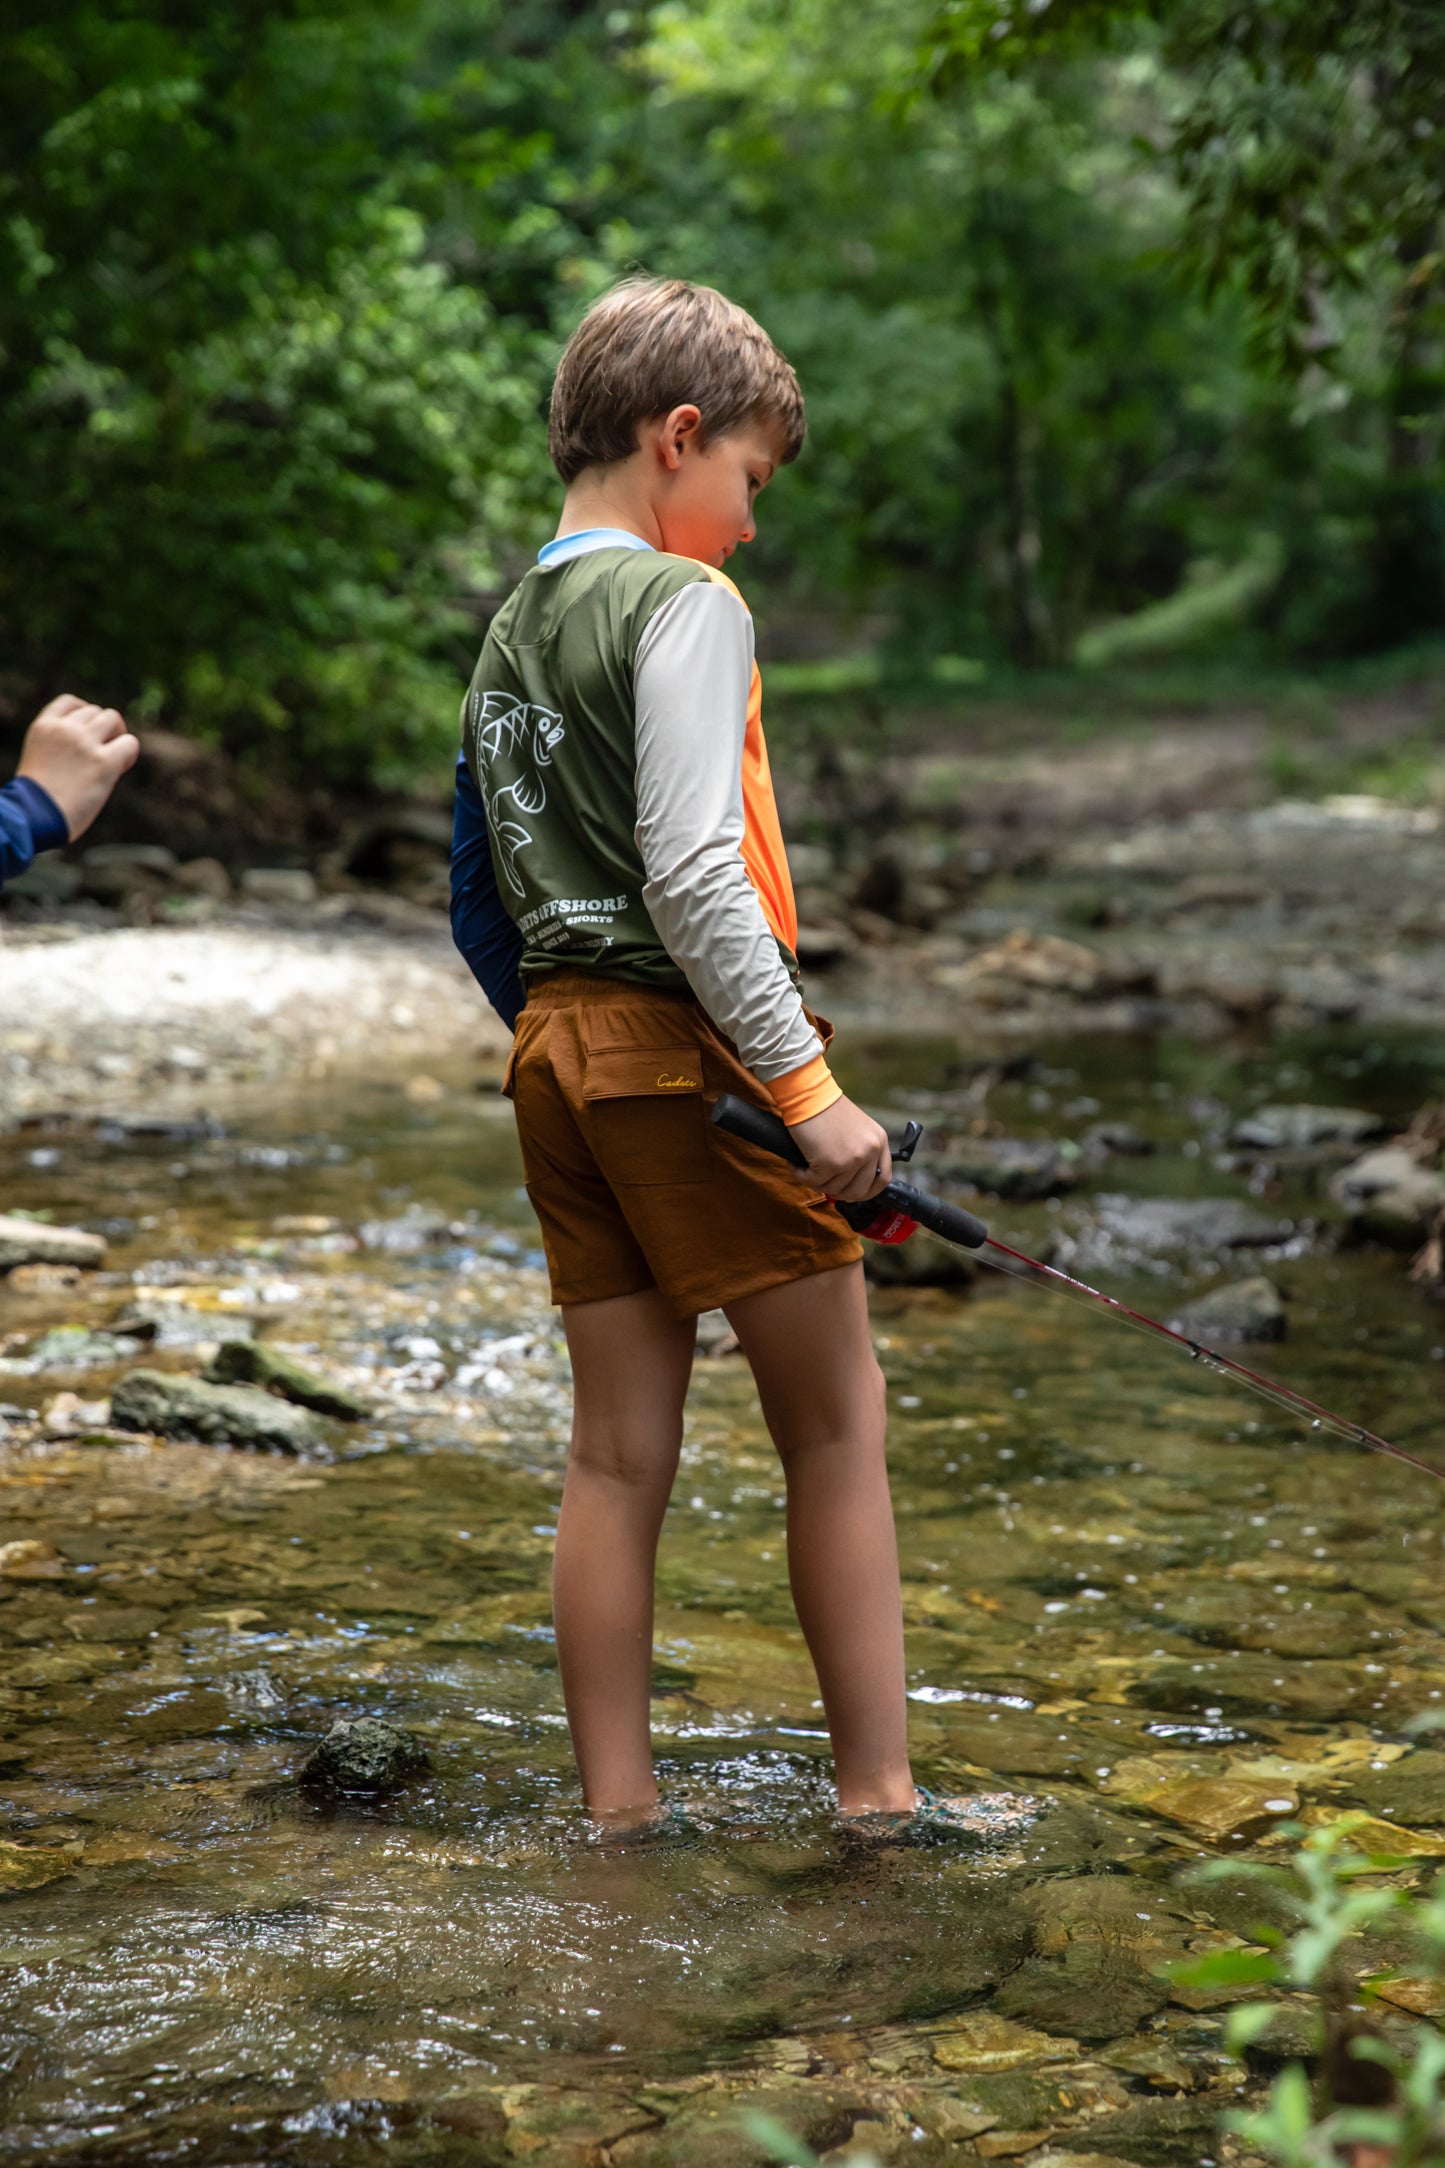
[{"x": 636, "y": 1072}]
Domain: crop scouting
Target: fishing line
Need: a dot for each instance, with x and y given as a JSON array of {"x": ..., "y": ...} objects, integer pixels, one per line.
[
  {"x": 898, "y": 1209},
  {"x": 1280, "y": 1396}
]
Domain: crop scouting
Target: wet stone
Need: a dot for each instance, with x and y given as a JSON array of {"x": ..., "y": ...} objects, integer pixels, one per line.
[
  {"x": 31, "y": 1866},
  {"x": 73, "y": 1347},
  {"x": 1119, "y": 1139},
  {"x": 1151, "y": 2060},
  {"x": 1243, "y": 1684},
  {"x": 1412, "y": 1790},
  {"x": 1088, "y": 1992},
  {"x": 1235, "y": 1615},
  {"x": 1389, "y": 1196},
  {"x": 983, "y": 2041},
  {"x": 1008, "y": 1167},
  {"x": 1160, "y": 1225},
  {"x": 251, "y": 1362},
  {"x": 1224, "y": 1809},
  {"x": 172, "y": 1406},
  {"x": 31, "y": 1242},
  {"x": 1298, "y": 1128},
  {"x": 1246, "y": 1310},
  {"x": 362, "y": 1754},
  {"x": 922, "y": 1261}
]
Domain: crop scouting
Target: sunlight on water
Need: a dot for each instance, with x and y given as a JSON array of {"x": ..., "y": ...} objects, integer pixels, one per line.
[{"x": 1125, "y": 1581}]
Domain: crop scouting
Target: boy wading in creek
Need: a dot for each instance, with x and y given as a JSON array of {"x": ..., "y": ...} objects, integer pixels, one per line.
[{"x": 621, "y": 892}]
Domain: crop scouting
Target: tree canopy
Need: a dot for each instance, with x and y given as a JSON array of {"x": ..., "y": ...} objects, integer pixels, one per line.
[{"x": 1092, "y": 302}]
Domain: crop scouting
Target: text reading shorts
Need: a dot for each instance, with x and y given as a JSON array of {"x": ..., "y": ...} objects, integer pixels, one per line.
[{"x": 613, "y": 1086}]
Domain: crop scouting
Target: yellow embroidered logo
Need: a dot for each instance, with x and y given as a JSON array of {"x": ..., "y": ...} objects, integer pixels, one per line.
[{"x": 676, "y": 1084}]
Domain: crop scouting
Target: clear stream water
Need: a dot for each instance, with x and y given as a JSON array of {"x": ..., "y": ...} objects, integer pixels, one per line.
[{"x": 1120, "y": 1574}]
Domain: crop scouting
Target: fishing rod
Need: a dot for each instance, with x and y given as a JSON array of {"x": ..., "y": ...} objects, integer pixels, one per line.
[{"x": 900, "y": 1209}]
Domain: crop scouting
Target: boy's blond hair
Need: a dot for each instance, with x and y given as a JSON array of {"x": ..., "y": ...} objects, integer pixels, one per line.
[{"x": 651, "y": 345}]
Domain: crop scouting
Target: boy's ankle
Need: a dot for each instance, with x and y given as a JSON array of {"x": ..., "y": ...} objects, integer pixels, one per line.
[{"x": 895, "y": 1796}]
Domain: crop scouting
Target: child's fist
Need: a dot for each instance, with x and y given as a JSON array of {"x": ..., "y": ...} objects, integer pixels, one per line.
[
  {"x": 847, "y": 1152},
  {"x": 78, "y": 752}
]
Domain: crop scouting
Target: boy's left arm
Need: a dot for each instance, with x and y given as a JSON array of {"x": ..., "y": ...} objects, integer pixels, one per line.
[{"x": 481, "y": 926}]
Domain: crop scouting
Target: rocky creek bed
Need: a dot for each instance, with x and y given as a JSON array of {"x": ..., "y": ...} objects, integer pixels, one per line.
[{"x": 1132, "y": 1593}]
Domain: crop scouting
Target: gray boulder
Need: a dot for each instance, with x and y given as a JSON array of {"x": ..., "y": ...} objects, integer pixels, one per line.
[
  {"x": 1009, "y": 1167},
  {"x": 1389, "y": 1196},
  {"x": 31, "y": 1242},
  {"x": 362, "y": 1754},
  {"x": 1245, "y": 1310},
  {"x": 1182, "y": 1223},
  {"x": 1298, "y": 1128},
  {"x": 182, "y": 1407},
  {"x": 250, "y": 1362}
]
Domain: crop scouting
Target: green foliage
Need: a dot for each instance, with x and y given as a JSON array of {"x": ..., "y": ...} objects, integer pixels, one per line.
[
  {"x": 1306, "y": 140},
  {"x": 779, "y": 2143},
  {"x": 259, "y": 447},
  {"x": 1336, "y": 1895},
  {"x": 281, "y": 287}
]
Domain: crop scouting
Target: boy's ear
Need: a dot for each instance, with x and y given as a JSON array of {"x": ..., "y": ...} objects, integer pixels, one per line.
[{"x": 679, "y": 432}]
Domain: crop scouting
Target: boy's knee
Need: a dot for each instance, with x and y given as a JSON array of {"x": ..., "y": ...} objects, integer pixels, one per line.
[{"x": 619, "y": 1457}]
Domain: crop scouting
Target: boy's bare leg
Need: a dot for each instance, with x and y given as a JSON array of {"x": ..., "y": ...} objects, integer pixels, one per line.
[
  {"x": 823, "y": 1398},
  {"x": 631, "y": 1361}
]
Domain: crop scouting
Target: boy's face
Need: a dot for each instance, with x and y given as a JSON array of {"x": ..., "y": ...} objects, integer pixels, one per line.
[{"x": 706, "y": 506}]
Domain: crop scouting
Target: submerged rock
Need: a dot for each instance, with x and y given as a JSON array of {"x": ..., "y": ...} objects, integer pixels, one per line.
[
  {"x": 74, "y": 1347},
  {"x": 1224, "y": 1809},
  {"x": 362, "y": 1754},
  {"x": 922, "y": 1261},
  {"x": 1120, "y": 1138},
  {"x": 31, "y": 1242},
  {"x": 1010, "y": 1167},
  {"x": 1389, "y": 1196},
  {"x": 1412, "y": 1790},
  {"x": 182, "y": 1407},
  {"x": 250, "y": 1362},
  {"x": 1298, "y": 1128},
  {"x": 1245, "y": 1310},
  {"x": 1152, "y": 1224}
]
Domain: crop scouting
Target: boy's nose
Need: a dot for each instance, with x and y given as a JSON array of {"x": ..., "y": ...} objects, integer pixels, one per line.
[{"x": 749, "y": 530}]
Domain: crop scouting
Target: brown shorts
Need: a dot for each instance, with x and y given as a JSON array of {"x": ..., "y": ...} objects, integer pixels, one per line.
[{"x": 633, "y": 1185}]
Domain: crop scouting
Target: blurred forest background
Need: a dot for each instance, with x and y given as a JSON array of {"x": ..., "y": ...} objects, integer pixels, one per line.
[{"x": 1122, "y": 329}]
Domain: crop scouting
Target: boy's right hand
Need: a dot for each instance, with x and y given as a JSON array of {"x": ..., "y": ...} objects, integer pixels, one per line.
[
  {"x": 78, "y": 752},
  {"x": 847, "y": 1152}
]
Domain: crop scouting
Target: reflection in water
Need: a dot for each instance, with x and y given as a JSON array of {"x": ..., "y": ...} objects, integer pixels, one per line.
[{"x": 1128, "y": 1589}]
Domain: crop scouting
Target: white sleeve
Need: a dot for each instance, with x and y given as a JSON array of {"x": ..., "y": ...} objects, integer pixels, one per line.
[{"x": 694, "y": 668}]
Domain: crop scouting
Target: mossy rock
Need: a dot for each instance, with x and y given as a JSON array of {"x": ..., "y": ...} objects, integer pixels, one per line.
[
  {"x": 173, "y": 1406},
  {"x": 250, "y": 1362}
]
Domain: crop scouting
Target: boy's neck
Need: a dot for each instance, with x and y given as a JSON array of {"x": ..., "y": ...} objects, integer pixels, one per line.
[{"x": 611, "y": 497}]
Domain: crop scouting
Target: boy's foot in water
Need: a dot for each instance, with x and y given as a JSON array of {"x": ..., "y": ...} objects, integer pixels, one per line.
[
  {"x": 935, "y": 1820},
  {"x": 633, "y": 1830}
]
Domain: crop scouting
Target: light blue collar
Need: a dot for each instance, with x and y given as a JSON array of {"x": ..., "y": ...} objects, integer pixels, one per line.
[{"x": 568, "y": 546}]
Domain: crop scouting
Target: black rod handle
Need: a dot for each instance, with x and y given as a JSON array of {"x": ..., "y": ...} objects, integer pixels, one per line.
[
  {"x": 756, "y": 1126},
  {"x": 938, "y": 1216}
]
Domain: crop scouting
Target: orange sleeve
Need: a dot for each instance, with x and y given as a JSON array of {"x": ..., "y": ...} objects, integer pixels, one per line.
[{"x": 805, "y": 1092}]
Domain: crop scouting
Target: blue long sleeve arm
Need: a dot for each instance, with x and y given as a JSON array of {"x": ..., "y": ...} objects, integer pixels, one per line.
[
  {"x": 481, "y": 927},
  {"x": 30, "y": 821}
]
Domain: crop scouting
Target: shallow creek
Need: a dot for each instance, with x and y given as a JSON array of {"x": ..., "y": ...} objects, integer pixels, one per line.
[{"x": 1132, "y": 1592}]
